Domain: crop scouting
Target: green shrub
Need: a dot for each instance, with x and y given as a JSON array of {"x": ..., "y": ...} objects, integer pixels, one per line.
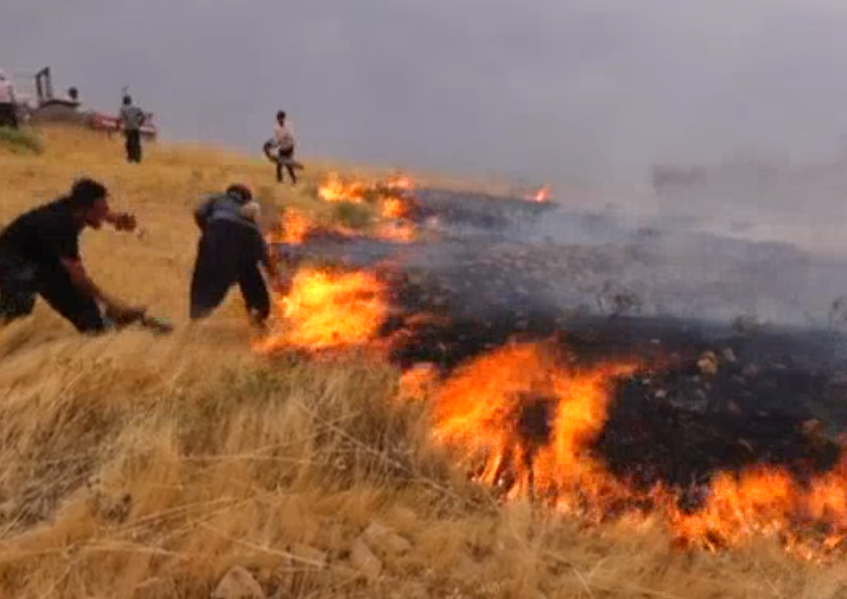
[
  {"x": 20, "y": 141},
  {"x": 354, "y": 216}
]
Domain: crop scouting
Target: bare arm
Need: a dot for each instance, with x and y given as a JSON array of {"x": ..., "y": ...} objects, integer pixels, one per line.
[{"x": 122, "y": 221}]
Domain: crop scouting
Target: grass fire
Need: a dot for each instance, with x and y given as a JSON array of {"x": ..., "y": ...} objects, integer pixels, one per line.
[{"x": 473, "y": 408}]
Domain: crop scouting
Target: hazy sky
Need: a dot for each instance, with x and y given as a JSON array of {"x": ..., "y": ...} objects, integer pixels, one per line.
[{"x": 544, "y": 88}]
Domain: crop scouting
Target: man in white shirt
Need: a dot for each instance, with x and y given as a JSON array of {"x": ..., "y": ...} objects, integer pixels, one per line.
[
  {"x": 280, "y": 149},
  {"x": 8, "y": 108},
  {"x": 131, "y": 118}
]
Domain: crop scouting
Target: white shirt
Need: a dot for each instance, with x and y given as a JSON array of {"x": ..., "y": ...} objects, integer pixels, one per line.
[
  {"x": 283, "y": 137},
  {"x": 7, "y": 92}
]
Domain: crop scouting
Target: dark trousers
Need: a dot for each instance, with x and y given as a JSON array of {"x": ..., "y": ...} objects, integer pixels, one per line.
[
  {"x": 8, "y": 115},
  {"x": 133, "y": 145},
  {"x": 228, "y": 254},
  {"x": 21, "y": 283},
  {"x": 282, "y": 162}
]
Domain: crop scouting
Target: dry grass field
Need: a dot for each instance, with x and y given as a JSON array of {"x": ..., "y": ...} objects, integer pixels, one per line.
[{"x": 138, "y": 467}]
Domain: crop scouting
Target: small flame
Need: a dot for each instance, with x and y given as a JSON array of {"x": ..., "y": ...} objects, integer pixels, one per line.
[
  {"x": 335, "y": 190},
  {"x": 541, "y": 196},
  {"x": 325, "y": 310},
  {"x": 403, "y": 182},
  {"x": 394, "y": 208},
  {"x": 295, "y": 226},
  {"x": 397, "y": 232}
]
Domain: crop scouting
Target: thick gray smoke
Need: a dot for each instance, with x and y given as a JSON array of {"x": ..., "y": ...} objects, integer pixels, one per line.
[{"x": 723, "y": 247}]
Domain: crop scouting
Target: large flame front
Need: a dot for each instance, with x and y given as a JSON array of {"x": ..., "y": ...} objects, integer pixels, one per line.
[
  {"x": 326, "y": 310},
  {"x": 517, "y": 421},
  {"x": 523, "y": 422}
]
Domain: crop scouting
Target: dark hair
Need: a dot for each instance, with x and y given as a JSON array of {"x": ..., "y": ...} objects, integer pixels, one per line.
[
  {"x": 241, "y": 192},
  {"x": 280, "y": 115},
  {"x": 127, "y": 100},
  {"x": 85, "y": 193}
]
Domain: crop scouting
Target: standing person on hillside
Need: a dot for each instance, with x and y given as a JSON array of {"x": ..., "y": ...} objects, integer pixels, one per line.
[
  {"x": 39, "y": 255},
  {"x": 131, "y": 120},
  {"x": 230, "y": 249},
  {"x": 280, "y": 148},
  {"x": 8, "y": 108}
]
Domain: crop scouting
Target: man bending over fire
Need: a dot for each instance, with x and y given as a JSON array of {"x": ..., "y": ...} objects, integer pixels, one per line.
[
  {"x": 39, "y": 255},
  {"x": 230, "y": 250}
]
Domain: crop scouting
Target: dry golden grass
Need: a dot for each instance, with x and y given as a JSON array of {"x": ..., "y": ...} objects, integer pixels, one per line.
[{"x": 139, "y": 467}]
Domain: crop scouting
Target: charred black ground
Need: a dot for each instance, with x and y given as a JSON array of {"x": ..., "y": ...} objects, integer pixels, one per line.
[{"x": 713, "y": 396}]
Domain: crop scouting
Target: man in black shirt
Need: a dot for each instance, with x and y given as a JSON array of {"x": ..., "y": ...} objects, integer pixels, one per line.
[{"x": 39, "y": 255}]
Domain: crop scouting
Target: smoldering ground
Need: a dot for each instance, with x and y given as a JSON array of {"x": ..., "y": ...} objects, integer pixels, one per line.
[{"x": 494, "y": 254}]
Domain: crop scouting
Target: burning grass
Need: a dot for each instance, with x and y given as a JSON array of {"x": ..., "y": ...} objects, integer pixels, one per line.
[
  {"x": 143, "y": 468},
  {"x": 520, "y": 421},
  {"x": 327, "y": 310}
]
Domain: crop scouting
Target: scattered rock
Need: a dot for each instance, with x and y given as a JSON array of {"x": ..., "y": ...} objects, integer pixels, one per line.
[
  {"x": 397, "y": 544},
  {"x": 729, "y": 355},
  {"x": 8, "y": 509},
  {"x": 385, "y": 539},
  {"x": 750, "y": 372},
  {"x": 660, "y": 394},
  {"x": 814, "y": 430},
  {"x": 364, "y": 561},
  {"x": 238, "y": 583},
  {"x": 708, "y": 364}
]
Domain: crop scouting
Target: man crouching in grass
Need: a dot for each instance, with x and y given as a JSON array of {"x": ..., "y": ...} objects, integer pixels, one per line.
[
  {"x": 230, "y": 250},
  {"x": 39, "y": 255}
]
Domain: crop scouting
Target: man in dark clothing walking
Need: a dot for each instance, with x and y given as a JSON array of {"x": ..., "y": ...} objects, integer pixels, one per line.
[
  {"x": 39, "y": 255},
  {"x": 131, "y": 120},
  {"x": 230, "y": 250}
]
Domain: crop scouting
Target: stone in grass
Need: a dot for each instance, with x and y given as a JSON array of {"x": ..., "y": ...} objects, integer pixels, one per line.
[
  {"x": 384, "y": 539},
  {"x": 238, "y": 583},
  {"x": 363, "y": 560}
]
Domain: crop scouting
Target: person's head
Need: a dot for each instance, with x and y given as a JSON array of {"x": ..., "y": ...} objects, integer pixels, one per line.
[
  {"x": 2, "y": 75},
  {"x": 127, "y": 100},
  {"x": 89, "y": 200},
  {"x": 240, "y": 192},
  {"x": 280, "y": 117}
]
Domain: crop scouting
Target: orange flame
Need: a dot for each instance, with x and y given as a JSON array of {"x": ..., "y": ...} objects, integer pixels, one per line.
[
  {"x": 517, "y": 421},
  {"x": 541, "y": 196},
  {"x": 516, "y": 415},
  {"x": 397, "y": 232},
  {"x": 295, "y": 227},
  {"x": 325, "y": 310},
  {"x": 394, "y": 208},
  {"x": 335, "y": 190},
  {"x": 403, "y": 182}
]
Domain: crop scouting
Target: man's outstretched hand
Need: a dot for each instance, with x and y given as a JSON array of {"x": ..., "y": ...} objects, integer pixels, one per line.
[{"x": 123, "y": 221}]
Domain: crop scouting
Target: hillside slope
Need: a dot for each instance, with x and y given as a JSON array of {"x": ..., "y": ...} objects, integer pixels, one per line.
[{"x": 141, "y": 467}]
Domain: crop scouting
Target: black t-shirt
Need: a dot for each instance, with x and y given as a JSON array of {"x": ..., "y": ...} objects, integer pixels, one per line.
[{"x": 43, "y": 235}]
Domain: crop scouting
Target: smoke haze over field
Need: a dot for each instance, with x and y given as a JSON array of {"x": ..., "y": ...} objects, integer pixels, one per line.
[
  {"x": 559, "y": 91},
  {"x": 547, "y": 89}
]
